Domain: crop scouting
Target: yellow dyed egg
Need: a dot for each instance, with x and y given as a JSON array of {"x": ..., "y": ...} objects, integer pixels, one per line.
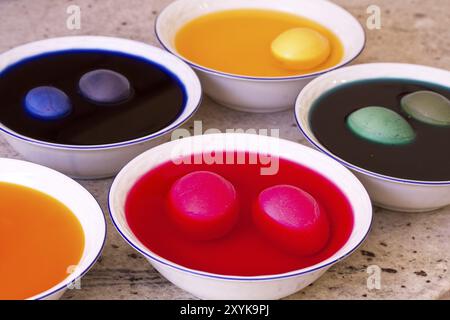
[{"x": 301, "y": 48}]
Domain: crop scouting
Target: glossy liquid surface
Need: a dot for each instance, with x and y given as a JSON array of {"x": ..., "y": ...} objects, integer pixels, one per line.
[
  {"x": 157, "y": 98},
  {"x": 427, "y": 158},
  {"x": 40, "y": 238},
  {"x": 244, "y": 251},
  {"x": 239, "y": 42}
]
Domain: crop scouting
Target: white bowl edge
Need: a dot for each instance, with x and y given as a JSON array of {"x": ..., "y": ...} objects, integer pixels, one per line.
[
  {"x": 243, "y": 142},
  {"x": 81, "y": 203}
]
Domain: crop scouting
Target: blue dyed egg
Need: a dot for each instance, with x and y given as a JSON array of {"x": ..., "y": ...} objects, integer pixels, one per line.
[
  {"x": 380, "y": 125},
  {"x": 47, "y": 103},
  {"x": 104, "y": 86}
]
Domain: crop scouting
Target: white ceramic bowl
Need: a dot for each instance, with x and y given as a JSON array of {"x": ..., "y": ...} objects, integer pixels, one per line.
[
  {"x": 99, "y": 161},
  {"x": 259, "y": 94},
  {"x": 387, "y": 192},
  {"x": 76, "y": 198},
  {"x": 215, "y": 286}
]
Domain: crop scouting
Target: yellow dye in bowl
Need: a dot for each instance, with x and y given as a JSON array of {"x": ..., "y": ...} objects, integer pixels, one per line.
[
  {"x": 240, "y": 42},
  {"x": 41, "y": 242}
]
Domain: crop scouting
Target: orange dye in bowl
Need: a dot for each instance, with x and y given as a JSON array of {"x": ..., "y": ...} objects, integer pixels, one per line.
[
  {"x": 239, "y": 42},
  {"x": 41, "y": 241}
]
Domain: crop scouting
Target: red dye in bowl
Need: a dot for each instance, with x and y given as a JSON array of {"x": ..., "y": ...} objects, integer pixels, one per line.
[{"x": 244, "y": 250}]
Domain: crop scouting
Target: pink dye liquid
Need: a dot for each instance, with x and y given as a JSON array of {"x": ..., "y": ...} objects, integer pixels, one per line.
[{"x": 244, "y": 251}]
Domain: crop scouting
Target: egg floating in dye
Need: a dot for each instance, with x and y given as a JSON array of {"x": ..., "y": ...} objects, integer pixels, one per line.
[
  {"x": 104, "y": 86},
  {"x": 427, "y": 106},
  {"x": 301, "y": 48},
  {"x": 292, "y": 218},
  {"x": 203, "y": 205},
  {"x": 47, "y": 103},
  {"x": 380, "y": 125}
]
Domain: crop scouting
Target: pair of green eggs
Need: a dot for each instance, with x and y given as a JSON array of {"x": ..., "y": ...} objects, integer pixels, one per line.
[{"x": 385, "y": 126}]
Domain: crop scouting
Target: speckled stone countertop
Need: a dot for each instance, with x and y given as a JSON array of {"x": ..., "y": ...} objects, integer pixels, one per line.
[{"x": 413, "y": 250}]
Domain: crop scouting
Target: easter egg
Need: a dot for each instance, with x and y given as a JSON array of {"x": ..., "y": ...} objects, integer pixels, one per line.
[
  {"x": 104, "y": 86},
  {"x": 301, "y": 48},
  {"x": 428, "y": 107},
  {"x": 380, "y": 125},
  {"x": 204, "y": 205},
  {"x": 47, "y": 103},
  {"x": 292, "y": 219}
]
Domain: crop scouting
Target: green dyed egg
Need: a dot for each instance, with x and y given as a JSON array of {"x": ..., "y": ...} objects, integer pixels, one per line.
[
  {"x": 427, "y": 106},
  {"x": 380, "y": 125}
]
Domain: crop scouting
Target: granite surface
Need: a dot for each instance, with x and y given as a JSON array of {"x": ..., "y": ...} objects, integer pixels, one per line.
[{"x": 412, "y": 250}]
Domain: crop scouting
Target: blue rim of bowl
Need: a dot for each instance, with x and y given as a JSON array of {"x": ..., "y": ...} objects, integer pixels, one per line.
[
  {"x": 162, "y": 132},
  {"x": 241, "y": 77},
  {"x": 173, "y": 265},
  {"x": 63, "y": 284},
  {"x": 359, "y": 169}
]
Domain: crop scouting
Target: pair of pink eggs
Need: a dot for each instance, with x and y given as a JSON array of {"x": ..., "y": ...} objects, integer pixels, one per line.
[{"x": 205, "y": 206}]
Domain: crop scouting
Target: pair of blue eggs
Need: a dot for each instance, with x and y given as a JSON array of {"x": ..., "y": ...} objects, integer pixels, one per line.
[{"x": 102, "y": 86}]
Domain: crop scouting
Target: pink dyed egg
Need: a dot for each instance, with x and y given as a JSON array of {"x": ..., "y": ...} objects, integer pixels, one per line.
[
  {"x": 204, "y": 205},
  {"x": 293, "y": 219}
]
